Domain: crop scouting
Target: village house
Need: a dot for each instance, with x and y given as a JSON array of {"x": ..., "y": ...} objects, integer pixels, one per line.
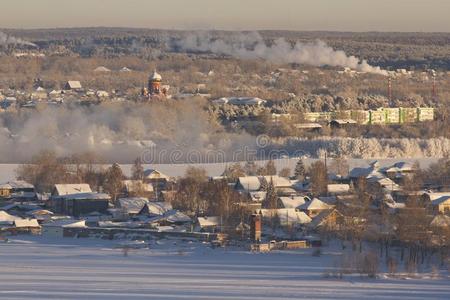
[
  {"x": 139, "y": 188},
  {"x": 255, "y": 183},
  {"x": 314, "y": 207},
  {"x": 155, "y": 209},
  {"x": 208, "y": 224},
  {"x": 400, "y": 170},
  {"x": 17, "y": 224},
  {"x": 292, "y": 202},
  {"x": 73, "y": 85},
  {"x": 70, "y": 188},
  {"x": 78, "y": 199},
  {"x": 132, "y": 206},
  {"x": 327, "y": 220},
  {"x": 338, "y": 189},
  {"x": 18, "y": 191},
  {"x": 438, "y": 202},
  {"x": 157, "y": 179},
  {"x": 286, "y": 216},
  {"x": 55, "y": 229}
]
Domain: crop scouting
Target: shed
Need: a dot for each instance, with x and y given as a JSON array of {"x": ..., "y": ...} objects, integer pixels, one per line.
[{"x": 56, "y": 228}]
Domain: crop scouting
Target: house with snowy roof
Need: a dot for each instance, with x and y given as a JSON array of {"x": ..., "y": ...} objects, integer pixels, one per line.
[
  {"x": 314, "y": 207},
  {"x": 439, "y": 202}
]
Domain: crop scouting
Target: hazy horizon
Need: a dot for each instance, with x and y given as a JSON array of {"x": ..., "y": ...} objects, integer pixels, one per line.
[{"x": 295, "y": 15}]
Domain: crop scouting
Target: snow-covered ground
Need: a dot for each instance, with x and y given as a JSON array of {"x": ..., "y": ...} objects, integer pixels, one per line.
[{"x": 42, "y": 268}]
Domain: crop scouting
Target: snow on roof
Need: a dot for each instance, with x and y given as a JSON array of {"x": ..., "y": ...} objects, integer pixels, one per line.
[
  {"x": 39, "y": 212},
  {"x": 293, "y": 202},
  {"x": 438, "y": 198},
  {"x": 395, "y": 205},
  {"x": 156, "y": 208},
  {"x": 154, "y": 174},
  {"x": 308, "y": 126},
  {"x": 19, "y": 184},
  {"x": 258, "y": 196},
  {"x": 68, "y": 189},
  {"x": 5, "y": 186},
  {"x": 278, "y": 181},
  {"x": 66, "y": 223},
  {"x": 384, "y": 182},
  {"x": 156, "y": 76},
  {"x": 321, "y": 217},
  {"x": 125, "y": 69},
  {"x": 85, "y": 196},
  {"x": 5, "y": 217},
  {"x": 55, "y": 92},
  {"x": 246, "y": 101},
  {"x": 315, "y": 204},
  {"x": 73, "y": 84},
  {"x": 338, "y": 188},
  {"x": 208, "y": 221},
  {"x": 253, "y": 183},
  {"x": 102, "y": 69},
  {"x": 26, "y": 223},
  {"x": 134, "y": 185},
  {"x": 375, "y": 175},
  {"x": 178, "y": 217},
  {"x": 400, "y": 167},
  {"x": 133, "y": 205},
  {"x": 287, "y": 216},
  {"x": 249, "y": 183}
]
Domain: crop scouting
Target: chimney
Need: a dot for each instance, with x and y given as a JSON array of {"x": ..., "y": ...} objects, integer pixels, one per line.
[{"x": 255, "y": 228}]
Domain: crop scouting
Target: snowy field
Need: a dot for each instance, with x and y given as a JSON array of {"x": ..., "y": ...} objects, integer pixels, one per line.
[{"x": 38, "y": 268}]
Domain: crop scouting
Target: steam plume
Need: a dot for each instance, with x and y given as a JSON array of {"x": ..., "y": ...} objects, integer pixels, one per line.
[
  {"x": 253, "y": 46},
  {"x": 6, "y": 39}
]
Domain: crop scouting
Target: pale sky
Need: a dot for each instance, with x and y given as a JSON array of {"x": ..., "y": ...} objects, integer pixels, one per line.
[{"x": 337, "y": 15}]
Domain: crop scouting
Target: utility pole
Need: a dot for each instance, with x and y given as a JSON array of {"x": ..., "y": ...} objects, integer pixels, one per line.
[
  {"x": 434, "y": 91},
  {"x": 390, "y": 88}
]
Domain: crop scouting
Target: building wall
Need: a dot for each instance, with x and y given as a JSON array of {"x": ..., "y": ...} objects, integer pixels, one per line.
[
  {"x": 380, "y": 116},
  {"x": 5, "y": 193}
]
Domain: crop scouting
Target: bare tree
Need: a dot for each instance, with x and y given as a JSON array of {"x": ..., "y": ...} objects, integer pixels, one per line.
[
  {"x": 137, "y": 170},
  {"x": 285, "y": 172},
  {"x": 44, "y": 171},
  {"x": 319, "y": 178},
  {"x": 114, "y": 181}
]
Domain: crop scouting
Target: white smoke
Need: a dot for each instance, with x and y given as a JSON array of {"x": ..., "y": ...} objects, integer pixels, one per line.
[
  {"x": 6, "y": 39},
  {"x": 253, "y": 46}
]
